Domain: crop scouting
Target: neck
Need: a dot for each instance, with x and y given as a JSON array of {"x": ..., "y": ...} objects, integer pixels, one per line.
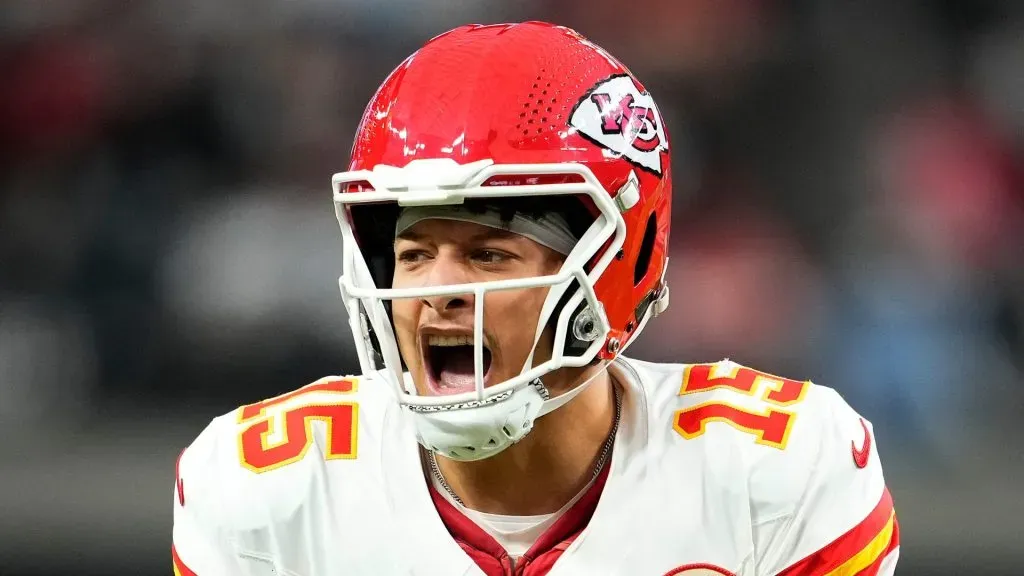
[{"x": 548, "y": 467}]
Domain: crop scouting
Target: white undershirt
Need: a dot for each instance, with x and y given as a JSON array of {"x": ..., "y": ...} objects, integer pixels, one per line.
[{"x": 515, "y": 533}]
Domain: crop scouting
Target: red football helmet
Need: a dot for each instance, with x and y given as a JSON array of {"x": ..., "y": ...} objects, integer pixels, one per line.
[{"x": 503, "y": 111}]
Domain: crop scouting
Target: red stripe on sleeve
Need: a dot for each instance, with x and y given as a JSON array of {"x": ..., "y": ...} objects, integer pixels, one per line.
[
  {"x": 894, "y": 543},
  {"x": 179, "y": 567},
  {"x": 850, "y": 544}
]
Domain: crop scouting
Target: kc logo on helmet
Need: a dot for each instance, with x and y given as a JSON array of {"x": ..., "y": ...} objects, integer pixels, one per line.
[{"x": 617, "y": 116}]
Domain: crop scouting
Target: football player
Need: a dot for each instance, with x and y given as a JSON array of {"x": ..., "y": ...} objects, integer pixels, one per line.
[{"x": 505, "y": 220}]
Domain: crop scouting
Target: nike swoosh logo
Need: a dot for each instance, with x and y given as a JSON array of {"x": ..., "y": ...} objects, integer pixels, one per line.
[{"x": 860, "y": 457}]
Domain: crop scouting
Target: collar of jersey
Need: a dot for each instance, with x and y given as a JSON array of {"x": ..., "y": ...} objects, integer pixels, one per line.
[{"x": 553, "y": 541}]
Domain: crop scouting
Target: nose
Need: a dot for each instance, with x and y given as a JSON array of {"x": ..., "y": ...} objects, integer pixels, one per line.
[{"x": 447, "y": 271}]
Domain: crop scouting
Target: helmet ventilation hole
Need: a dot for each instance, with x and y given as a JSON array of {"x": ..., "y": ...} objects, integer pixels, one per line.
[
  {"x": 542, "y": 101},
  {"x": 643, "y": 257}
]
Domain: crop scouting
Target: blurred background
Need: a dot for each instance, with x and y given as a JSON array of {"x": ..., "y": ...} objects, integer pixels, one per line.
[{"x": 849, "y": 208}]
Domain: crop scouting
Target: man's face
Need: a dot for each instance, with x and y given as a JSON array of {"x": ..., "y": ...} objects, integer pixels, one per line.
[{"x": 435, "y": 334}]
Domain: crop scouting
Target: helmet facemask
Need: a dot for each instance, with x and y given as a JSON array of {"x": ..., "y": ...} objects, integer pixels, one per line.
[{"x": 480, "y": 423}]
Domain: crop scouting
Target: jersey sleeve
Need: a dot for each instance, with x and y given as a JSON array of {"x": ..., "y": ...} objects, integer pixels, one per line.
[
  {"x": 841, "y": 521},
  {"x": 200, "y": 546}
]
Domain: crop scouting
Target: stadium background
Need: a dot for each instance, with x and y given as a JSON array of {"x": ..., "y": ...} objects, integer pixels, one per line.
[{"x": 848, "y": 209}]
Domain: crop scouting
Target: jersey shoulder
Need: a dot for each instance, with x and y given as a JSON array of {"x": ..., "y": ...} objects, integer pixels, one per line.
[
  {"x": 727, "y": 402},
  {"x": 263, "y": 457},
  {"x": 800, "y": 459},
  {"x": 779, "y": 439}
]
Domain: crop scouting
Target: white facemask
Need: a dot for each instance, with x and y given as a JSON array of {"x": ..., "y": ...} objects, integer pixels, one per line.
[{"x": 481, "y": 423}]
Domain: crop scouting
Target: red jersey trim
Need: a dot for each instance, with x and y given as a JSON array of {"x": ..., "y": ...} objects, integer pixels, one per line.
[
  {"x": 179, "y": 567},
  {"x": 548, "y": 547},
  {"x": 860, "y": 551}
]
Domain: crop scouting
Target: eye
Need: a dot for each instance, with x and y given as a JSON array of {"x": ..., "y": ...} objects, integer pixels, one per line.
[
  {"x": 411, "y": 256},
  {"x": 491, "y": 256}
]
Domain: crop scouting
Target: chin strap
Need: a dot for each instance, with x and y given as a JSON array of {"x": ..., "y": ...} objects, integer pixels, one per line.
[{"x": 552, "y": 404}]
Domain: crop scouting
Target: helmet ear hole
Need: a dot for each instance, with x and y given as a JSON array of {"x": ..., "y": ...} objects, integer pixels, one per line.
[
  {"x": 643, "y": 257},
  {"x": 574, "y": 345}
]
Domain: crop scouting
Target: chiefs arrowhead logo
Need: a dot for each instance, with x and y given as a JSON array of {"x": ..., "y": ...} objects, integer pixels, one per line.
[{"x": 616, "y": 115}]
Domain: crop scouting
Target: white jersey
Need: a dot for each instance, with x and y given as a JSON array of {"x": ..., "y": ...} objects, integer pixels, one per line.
[{"x": 716, "y": 469}]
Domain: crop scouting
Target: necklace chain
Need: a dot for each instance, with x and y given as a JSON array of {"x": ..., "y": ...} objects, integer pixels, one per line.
[{"x": 602, "y": 458}]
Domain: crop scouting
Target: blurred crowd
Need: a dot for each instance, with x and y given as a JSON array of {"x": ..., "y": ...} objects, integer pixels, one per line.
[{"x": 849, "y": 208}]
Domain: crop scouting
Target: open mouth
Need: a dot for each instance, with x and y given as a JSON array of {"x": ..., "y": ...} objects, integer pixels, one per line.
[{"x": 449, "y": 364}]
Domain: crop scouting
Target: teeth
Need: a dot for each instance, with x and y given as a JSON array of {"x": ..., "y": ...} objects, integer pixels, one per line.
[{"x": 434, "y": 340}]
